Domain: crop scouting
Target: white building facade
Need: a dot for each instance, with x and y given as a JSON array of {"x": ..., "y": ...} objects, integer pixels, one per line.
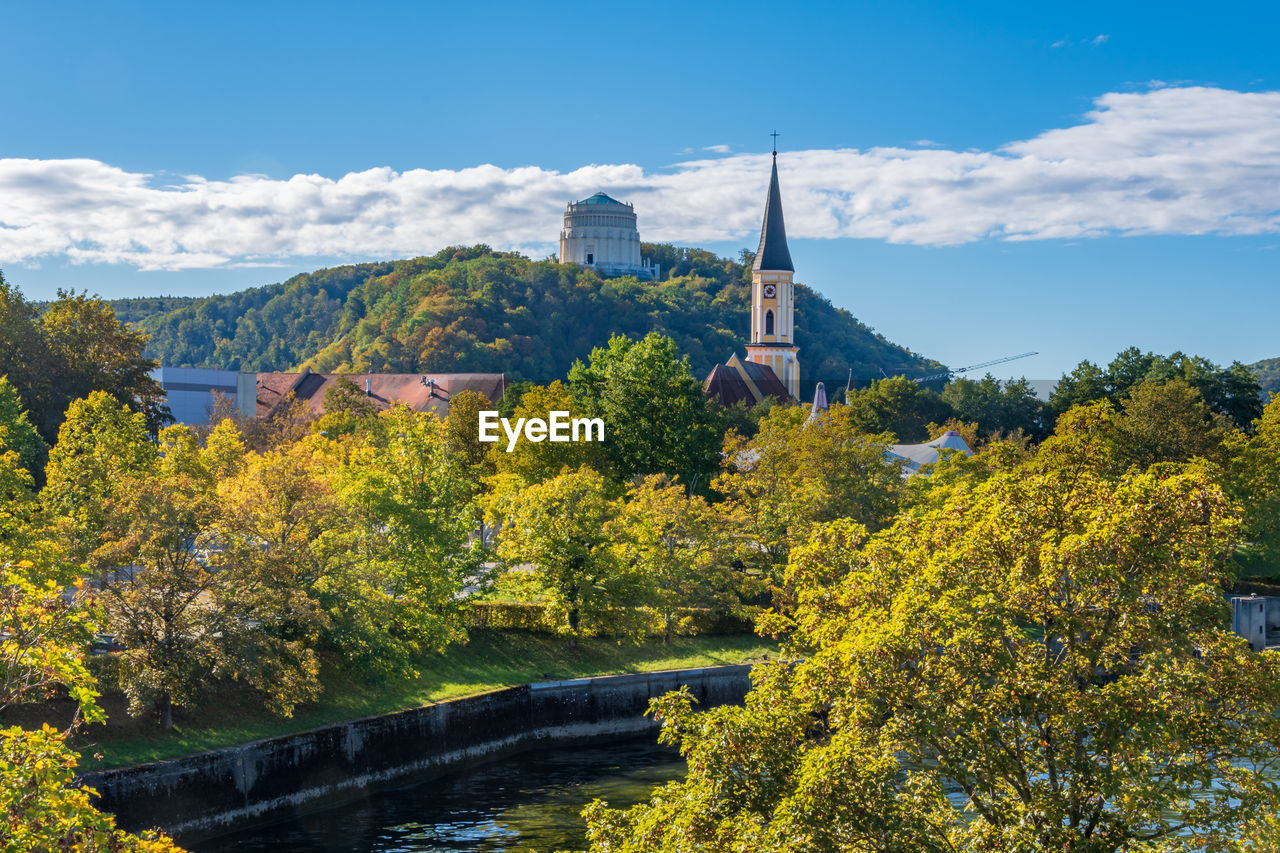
[{"x": 600, "y": 233}]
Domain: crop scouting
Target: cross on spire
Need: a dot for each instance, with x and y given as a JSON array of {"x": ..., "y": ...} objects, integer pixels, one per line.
[{"x": 775, "y": 136}]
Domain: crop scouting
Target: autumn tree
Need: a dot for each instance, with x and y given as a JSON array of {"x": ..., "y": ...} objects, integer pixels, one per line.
[
  {"x": 414, "y": 502},
  {"x": 1040, "y": 662},
  {"x": 558, "y": 528},
  {"x": 797, "y": 472},
  {"x": 1254, "y": 478},
  {"x": 681, "y": 548},
  {"x": 94, "y": 351},
  {"x": 531, "y": 462},
  {"x": 42, "y": 644},
  {"x": 21, "y": 435},
  {"x": 159, "y": 575},
  {"x": 101, "y": 444}
]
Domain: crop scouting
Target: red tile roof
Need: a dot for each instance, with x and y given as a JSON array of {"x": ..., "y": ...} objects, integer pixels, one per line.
[{"x": 419, "y": 391}]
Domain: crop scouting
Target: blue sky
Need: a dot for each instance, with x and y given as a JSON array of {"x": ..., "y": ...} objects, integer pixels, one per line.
[{"x": 972, "y": 181}]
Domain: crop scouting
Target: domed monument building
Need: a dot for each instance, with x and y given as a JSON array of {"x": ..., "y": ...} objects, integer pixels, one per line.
[{"x": 600, "y": 233}]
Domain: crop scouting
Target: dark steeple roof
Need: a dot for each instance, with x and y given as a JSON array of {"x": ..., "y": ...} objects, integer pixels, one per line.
[{"x": 773, "y": 253}]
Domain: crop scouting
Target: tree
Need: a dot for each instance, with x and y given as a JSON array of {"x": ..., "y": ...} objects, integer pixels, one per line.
[
  {"x": 462, "y": 442},
  {"x": 796, "y": 473},
  {"x": 1232, "y": 391},
  {"x": 1168, "y": 422},
  {"x": 899, "y": 406},
  {"x": 42, "y": 642},
  {"x": 347, "y": 410},
  {"x": 657, "y": 420},
  {"x": 1254, "y": 480},
  {"x": 160, "y": 573},
  {"x": 1048, "y": 647},
  {"x": 22, "y": 437},
  {"x": 95, "y": 352},
  {"x": 998, "y": 407},
  {"x": 558, "y": 527},
  {"x": 101, "y": 444},
  {"x": 681, "y": 547},
  {"x": 533, "y": 462},
  {"x": 414, "y": 502}
]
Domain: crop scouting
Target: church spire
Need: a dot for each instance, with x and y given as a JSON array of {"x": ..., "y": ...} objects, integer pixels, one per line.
[{"x": 773, "y": 253}]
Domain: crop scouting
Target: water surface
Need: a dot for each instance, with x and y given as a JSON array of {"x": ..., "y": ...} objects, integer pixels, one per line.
[{"x": 529, "y": 801}]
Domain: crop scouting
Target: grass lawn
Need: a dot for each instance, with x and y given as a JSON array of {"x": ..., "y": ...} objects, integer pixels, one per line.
[{"x": 491, "y": 659}]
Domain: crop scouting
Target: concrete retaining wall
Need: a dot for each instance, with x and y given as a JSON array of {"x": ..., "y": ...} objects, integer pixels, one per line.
[{"x": 214, "y": 792}]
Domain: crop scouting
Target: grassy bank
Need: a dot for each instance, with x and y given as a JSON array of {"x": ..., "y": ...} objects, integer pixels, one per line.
[{"x": 490, "y": 660}]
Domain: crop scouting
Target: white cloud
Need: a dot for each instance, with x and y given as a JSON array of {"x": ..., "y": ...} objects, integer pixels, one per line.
[
  {"x": 1099, "y": 39},
  {"x": 1183, "y": 160},
  {"x": 718, "y": 149}
]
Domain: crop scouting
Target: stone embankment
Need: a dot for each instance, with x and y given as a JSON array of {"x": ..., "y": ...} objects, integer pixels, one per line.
[{"x": 205, "y": 795}]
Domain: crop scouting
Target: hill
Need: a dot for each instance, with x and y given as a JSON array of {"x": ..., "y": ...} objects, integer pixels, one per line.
[
  {"x": 477, "y": 310},
  {"x": 1268, "y": 371}
]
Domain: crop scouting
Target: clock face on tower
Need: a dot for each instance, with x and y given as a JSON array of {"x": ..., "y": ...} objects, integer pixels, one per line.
[{"x": 769, "y": 291}]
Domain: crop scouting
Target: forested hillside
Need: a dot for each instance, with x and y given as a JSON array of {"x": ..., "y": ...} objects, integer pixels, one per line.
[
  {"x": 474, "y": 309},
  {"x": 1268, "y": 371}
]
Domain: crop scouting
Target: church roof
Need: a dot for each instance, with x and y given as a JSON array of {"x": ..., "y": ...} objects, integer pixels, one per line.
[
  {"x": 599, "y": 198},
  {"x": 773, "y": 253},
  {"x": 737, "y": 380}
]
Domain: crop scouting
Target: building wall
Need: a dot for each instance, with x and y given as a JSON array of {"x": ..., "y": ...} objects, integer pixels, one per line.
[
  {"x": 605, "y": 232},
  {"x": 775, "y": 348},
  {"x": 190, "y": 391}
]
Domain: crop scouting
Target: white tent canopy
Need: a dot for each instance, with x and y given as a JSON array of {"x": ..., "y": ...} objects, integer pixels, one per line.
[{"x": 914, "y": 456}]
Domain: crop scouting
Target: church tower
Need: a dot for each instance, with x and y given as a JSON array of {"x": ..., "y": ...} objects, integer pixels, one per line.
[{"x": 772, "y": 295}]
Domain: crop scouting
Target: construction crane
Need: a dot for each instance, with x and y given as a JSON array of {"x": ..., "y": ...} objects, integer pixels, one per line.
[{"x": 946, "y": 373}]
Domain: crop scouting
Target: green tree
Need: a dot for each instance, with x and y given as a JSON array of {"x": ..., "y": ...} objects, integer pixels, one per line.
[
  {"x": 414, "y": 499},
  {"x": 997, "y": 407},
  {"x": 682, "y": 548},
  {"x": 1168, "y": 422},
  {"x": 22, "y": 437},
  {"x": 42, "y": 808},
  {"x": 159, "y": 578},
  {"x": 899, "y": 406},
  {"x": 1039, "y": 662},
  {"x": 657, "y": 420},
  {"x": 1254, "y": 479},
  {"x": 95, "y": 352},
  {"x": 1232, "y": 391},
  {"x": 462, "y": 441},
  {"x": 796, "y": 473},
  {"x": 101, "y": 444},
  {"x": 533, "y": 462},
  {"x": 347, "y": 410},
  {"x": 557, "y": 527}
]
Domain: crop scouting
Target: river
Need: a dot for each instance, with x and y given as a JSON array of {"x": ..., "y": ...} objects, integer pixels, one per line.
[{"x": 528, "y": 801}]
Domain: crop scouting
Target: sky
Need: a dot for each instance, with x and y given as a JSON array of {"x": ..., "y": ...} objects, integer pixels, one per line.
[{"x": 970, "y": 180}]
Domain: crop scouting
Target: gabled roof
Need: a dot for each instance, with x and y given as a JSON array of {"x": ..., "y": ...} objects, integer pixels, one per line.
[
  {"x": 773, "y": 253},
  {"x": 421, "y": 392},
  {"x": 737, "y": 380}
]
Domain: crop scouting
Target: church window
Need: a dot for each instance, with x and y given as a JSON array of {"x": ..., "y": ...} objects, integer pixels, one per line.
[
  {"x": 591, "y": 259},
  {"x": 768, "y": 320}
]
